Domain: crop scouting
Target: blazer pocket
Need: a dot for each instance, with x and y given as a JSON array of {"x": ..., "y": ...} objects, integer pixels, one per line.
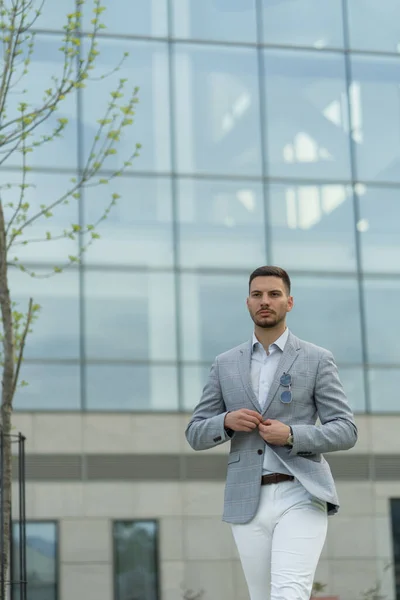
[
  {"x": 313, "y": 457},
  {"x": 233, "y": 457}
]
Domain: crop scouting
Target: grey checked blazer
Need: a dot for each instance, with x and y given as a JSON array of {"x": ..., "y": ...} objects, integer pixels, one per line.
[{"x": 317, "y": 393}]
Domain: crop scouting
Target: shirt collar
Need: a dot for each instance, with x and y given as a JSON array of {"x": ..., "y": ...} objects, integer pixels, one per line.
[{"x": 280, "y": 342}]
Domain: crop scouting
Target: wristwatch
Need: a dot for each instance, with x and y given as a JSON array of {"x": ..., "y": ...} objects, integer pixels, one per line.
[{"x": 289, "y": 441}]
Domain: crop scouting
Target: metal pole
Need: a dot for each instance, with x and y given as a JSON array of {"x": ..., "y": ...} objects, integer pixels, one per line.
[
  {"x": 2, "y": 573},
  {"x": 23, "y": 573}
]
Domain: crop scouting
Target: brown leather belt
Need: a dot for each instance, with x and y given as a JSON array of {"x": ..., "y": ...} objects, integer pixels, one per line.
[{"x": 275, "y": 478}]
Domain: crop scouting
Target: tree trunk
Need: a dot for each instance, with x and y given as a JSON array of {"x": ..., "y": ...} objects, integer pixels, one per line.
[{"x": 6, "y": 405}]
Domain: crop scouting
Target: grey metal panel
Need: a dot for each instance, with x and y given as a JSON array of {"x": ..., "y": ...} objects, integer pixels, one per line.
[
  {"x": 174, "y": 467},
  {"x": 141, "y": 467},
  {"x": 51, "y": 467},
  {"x": 351, "y": 467}
]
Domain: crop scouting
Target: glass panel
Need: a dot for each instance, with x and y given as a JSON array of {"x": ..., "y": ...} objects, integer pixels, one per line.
[
  {"x": 312, "y": 226},
  {"x": 303, "y": 23},
  {"x": 47, "y": 62},
  {"x": 379, "y": 228},
  {"x": 41, "y": 560},
  {"x": 130, "y": 17},
  {"x": 136, "y": 562},
  {"x": 138, "y": 230},
  {"x": 130, "y": 316},
  {"x": 226, "y": 20},
  {"x": 221, "y": 223},
  {"x": 43, "y": 188},
  {"x": 382, "y": 338},
  {"x": 384, "y": 385},
  {"x": 50, "y": 387},
  {"x": 395, "y": 514},
  {"x": 373, "y": 25},
  {"x": 308, "y": 121},
  {"x": 147, "y": 68},
  {"x": 217, "y": 108},
  {"x": 132, "y": 387},
  {"x": 353, "y": 383},
  {"x": 214, "y": 314},
  {"x": 194, "y": 380},
  {"x": 56, "y": 332},
  {"x": 53, "y": 15},
  {"x": 376, "y": 83},
  {"x": 327, "y": 313}
]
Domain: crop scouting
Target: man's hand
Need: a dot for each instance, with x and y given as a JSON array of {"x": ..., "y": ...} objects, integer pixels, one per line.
[
  {"x": 274, "y": 432},
  {"x": 242, "y": 420}
]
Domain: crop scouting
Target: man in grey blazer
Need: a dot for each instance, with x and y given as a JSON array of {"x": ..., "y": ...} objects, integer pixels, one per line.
[{"x": 265, "y": 397}]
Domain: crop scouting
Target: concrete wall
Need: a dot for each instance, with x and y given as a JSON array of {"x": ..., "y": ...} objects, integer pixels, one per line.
[{"x": 196, "y": 548}]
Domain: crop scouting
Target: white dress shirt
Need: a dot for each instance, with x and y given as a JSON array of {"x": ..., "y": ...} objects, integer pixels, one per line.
[{"x": 263, "y": 369}]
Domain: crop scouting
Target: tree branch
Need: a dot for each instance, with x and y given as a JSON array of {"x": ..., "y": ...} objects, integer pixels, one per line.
[{"x": 28, "y": 323}]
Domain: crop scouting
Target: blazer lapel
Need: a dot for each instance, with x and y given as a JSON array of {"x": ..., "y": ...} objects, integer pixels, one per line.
[
  {"x": 289, "y": 355},
  {"x": 245, "y": 374}
]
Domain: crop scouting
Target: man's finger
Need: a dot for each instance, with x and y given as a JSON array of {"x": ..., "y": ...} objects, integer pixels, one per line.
[
  {"x": 253, "y": 413},
  {"x": 251, "y": 419}
]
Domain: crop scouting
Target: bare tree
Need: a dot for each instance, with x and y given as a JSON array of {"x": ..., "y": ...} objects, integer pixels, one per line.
[{"x": 26, "y": 127}]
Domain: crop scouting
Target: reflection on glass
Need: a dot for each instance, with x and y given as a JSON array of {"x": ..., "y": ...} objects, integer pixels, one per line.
[
  {"x": 131, "y": 387},
  {"x": 56, "y": 331},
  {"x": 130, "y": 17},
  {"x": 382, "y": 338},
  {"x": 147, "y": 68},
  {"x": 50, "y": 387},
  {"x": 312, "y": 226},
  {"x": 46, "y": 63},
  {"x": 376, "y": 84},
  {"x": 44, "y": 188},
  {"x": 138, "y": 230},
  {"x": 220, "y": 224},
  {"x": 308, "y": 125},
  {"x": 41, "y": 560},
  {"x": 217, "y": 110},
  {"x": 379, "y": 227},
  {"x": 303, "y": 23},
  {"x": 136, "y": 563},
  {"x": 194, "y": 379},
  {"x": 384, "y": 385},
  {"x": 214, "y": 314},
  {"x": 327, "y": 313},
  {"x": 130, "y": 315},
  {"x": 374, "y": 25},
  {"x": 225, "y": 20},
  {"x": 353, "y": 383}
]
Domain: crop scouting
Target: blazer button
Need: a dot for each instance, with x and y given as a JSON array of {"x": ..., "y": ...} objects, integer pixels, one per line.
[{"x": 259, "y": 451}]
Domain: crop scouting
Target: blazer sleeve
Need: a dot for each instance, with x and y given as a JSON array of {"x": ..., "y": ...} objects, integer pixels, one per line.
[
  {"x": 206, "y": 427},
  {"x": 338, "y": 430}
]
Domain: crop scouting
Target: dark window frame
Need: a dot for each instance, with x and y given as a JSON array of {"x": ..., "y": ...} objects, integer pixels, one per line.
[{"x": 395, "y": 520}]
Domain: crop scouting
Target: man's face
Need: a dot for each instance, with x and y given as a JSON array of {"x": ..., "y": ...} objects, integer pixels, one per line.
[{"x": 268, "y": 301}]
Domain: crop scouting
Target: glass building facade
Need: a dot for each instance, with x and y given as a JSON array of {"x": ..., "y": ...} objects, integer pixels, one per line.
[{"x": 271, "y": 135}]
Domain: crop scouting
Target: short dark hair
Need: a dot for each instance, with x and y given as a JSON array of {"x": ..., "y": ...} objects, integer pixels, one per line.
[{"x": 272, "y": 272}]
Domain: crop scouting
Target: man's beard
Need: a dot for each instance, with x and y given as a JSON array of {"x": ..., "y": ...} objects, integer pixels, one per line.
[{"x": 263, "y": 323}]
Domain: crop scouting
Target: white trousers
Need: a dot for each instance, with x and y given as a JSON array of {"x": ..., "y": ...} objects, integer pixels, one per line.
[{"x": 280, "y": 548}]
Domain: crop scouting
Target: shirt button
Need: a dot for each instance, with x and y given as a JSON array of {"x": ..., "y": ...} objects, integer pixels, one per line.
[{"x": 259, "y": 451}]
